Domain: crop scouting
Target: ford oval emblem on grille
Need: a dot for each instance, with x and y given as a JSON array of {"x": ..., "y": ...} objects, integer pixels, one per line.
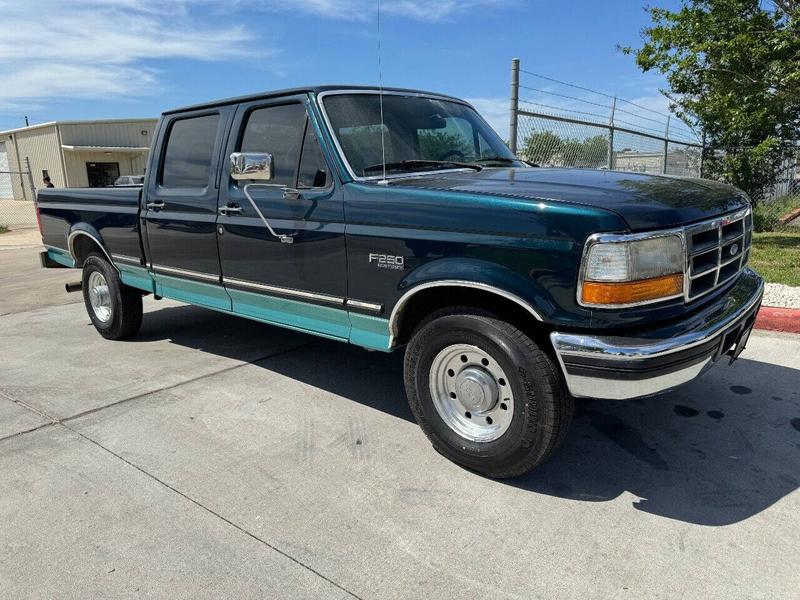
[{"x": 734, "y": 249}]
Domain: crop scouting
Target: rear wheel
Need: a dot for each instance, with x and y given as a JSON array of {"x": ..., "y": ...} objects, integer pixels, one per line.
[
  {"x": 484, "y": 393},
  {"x": 114, "y": 308}
]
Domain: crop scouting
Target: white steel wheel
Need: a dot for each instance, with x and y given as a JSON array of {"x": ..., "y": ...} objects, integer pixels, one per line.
[
  {"x": 100, "y": 297},
  {"x": 471, "y": 392}
]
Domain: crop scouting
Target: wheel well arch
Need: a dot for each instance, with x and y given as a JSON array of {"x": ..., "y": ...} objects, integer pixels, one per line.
[
  {"x": 81, "y": 243},
  {"x": 422, "y": 300}
]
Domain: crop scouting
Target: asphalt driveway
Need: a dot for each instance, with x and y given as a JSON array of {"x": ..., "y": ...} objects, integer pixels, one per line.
[{"x": 216, "y": 457}]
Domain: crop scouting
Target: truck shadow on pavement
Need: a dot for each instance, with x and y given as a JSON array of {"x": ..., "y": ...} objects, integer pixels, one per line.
[{"x": 715, "y": 452}]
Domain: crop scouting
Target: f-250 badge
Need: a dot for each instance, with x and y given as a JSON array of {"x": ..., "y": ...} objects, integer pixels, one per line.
[{"x": 385, "y": 261}]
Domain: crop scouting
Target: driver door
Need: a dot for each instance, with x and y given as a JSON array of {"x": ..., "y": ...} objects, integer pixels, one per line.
[{"x": 301, "y": 284}]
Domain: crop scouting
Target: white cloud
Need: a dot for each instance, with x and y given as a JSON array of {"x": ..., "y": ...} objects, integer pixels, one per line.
[
  {"x": 95, "y": 48},
  {"x": 362, "y": 10},
  {"x": 53, "y": 49}
]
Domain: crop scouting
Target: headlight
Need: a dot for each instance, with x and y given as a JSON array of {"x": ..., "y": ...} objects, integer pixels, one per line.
[{"x": 619, "y": 270}]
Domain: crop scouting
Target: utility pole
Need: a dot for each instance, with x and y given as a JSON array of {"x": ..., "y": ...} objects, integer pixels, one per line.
[
  {"x": 30, "y": 177},
  {"x": 703, "y": 155},
  {"x": 666, "y": 147},
  {"x": 610, "y": 164},
  {"x": 512, "y": 129}
]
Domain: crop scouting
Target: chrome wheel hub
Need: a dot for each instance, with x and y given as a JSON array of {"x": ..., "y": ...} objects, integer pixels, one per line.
[
  {"x": 471, "y": 392},
  {"x": 99, "y": 296}
]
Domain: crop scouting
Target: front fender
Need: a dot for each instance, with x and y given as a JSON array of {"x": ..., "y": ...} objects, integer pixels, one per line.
[{"x": 481, "y": 274}]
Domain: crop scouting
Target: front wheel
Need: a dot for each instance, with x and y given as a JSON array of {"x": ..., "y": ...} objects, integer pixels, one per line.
[
  {"x": 484, "y": 393},
  {"x": 114, "y": 308}
]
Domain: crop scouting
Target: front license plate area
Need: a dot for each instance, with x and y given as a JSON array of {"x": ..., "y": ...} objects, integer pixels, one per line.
[{"x": 741, "y": 342}]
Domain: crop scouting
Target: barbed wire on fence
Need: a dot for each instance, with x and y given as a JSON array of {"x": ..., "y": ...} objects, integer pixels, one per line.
[{"x": 671, "y": 125}]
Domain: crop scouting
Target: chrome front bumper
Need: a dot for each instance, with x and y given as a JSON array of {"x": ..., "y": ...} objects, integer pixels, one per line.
[{"x": 619, "y": 367}]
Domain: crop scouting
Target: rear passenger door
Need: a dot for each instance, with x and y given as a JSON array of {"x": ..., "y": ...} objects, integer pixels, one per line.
[
  {"x": 300, "y": 284},
  {"x": 180, "y": 213}
]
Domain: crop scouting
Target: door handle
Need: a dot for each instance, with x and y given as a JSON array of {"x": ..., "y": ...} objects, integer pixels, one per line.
[
  {"x": 230, "y": 209},
  {"x": 155, "y": 205}
]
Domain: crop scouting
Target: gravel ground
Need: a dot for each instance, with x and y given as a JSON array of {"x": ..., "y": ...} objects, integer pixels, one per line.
[{"x": 777, "y": 294}]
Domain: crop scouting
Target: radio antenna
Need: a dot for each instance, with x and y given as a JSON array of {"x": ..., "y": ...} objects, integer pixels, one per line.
[{"x": 380, "y": 99}]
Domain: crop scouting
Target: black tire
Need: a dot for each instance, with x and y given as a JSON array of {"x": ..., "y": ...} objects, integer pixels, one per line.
[
  {"x": 126, "y": 302},
  {"x": 539, "y": 421}
]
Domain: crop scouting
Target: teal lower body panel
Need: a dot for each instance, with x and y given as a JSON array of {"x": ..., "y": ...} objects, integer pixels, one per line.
[
  {"x": 60, "y": 256},
  {"x": 137, "y": 277},
  {"x": 208, "y": 295},
  {"x": 326, "y": 321},
  {"x": 370, "y": 332},
  {"x": 312, "y": 318}
]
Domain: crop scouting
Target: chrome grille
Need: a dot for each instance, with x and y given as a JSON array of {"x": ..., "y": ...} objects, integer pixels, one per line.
[{"x": 717, "y": 252}]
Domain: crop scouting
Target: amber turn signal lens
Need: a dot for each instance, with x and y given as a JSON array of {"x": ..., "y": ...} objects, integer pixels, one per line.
[{"x": 630, "y": 292}]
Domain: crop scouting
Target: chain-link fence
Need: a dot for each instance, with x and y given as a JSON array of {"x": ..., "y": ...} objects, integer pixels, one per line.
[
  {"x": 571, "y": 131},
  {"x": 779, "y": 209},
  {"x": 16, "y": 213},
  {"x": 561, "y": 124}
]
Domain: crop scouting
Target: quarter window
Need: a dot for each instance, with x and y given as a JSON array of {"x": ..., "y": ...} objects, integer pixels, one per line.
[
  {"x": 277, "y": 130},
  {"x": 190, "y": 146}
]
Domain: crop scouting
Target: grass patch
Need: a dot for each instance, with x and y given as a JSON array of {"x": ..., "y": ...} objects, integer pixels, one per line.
[
  {"x": 776, "y": 256},
  {"x": 4, "y": 229}
]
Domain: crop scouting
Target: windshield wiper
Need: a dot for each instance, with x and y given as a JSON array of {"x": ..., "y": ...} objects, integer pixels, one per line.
[
  {"x": 409, "y": 165},
  {"x": 502, "y": 159}
]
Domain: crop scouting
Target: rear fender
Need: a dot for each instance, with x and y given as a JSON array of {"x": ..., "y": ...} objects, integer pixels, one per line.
[{"x": 84, "y": 230}]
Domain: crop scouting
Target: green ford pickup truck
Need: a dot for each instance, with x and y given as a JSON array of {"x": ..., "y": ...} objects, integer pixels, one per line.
[{"x": 399, "y": 220}]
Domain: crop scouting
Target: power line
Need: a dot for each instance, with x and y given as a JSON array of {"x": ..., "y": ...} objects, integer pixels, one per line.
[
  {"x": 565, "y": 96},
  {"x": 558, "y": 108},
  {"x": 591, "y": 91}
]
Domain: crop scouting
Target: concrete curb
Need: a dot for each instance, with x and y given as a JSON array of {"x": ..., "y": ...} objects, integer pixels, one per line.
[{"x": 773, "y": 318}]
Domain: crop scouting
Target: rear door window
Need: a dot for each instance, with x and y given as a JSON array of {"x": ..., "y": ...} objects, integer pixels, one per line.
[{"x": 190, "y": 147}]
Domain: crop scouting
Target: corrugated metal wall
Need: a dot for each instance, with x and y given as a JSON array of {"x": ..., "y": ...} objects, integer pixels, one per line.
[
  {"x": 41, "y": 146},
  {"x": 68, "y": 168},
  {"x": 5, "y": 178},
  {"x": 134, "y": 133},
  {"x": 129, "y": 164}
]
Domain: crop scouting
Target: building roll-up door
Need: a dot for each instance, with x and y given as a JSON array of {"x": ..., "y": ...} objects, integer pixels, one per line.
[{"x": 5, "y": 176}]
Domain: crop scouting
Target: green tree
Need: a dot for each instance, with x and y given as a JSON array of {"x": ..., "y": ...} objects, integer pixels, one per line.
[
  {"x": 438, "y": 145},
  {"x": 733, "y": 69},
  {"x": 591, "y": 152},
  {"x": 541, "y": 147}
]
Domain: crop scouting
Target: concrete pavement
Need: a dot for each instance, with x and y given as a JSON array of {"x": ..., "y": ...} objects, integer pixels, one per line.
[{"x": 213, "y": 456}]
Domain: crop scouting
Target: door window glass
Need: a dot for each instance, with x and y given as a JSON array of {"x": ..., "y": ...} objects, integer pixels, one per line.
[
  {"x": 313, "y": 170},
  {"x": 190, "y": 146},
  {"x": 277, "y": 130}
]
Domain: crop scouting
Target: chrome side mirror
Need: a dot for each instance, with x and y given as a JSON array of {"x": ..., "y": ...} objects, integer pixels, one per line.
[{"x": 251, "y": 166}]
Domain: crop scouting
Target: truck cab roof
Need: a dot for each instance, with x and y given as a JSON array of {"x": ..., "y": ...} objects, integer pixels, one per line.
[{"x": 302, "y": 90}]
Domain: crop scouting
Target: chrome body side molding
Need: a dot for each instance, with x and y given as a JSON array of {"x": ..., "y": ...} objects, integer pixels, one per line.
[
  {"x": 164, "y": 270},
  {"x": 284, "y": 291},
  {"x": 361, "y": 305},
  {"x": 126, "y": 258}
]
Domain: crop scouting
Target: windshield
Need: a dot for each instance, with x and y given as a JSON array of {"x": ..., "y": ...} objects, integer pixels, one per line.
[{"x": 420, "y": 134}]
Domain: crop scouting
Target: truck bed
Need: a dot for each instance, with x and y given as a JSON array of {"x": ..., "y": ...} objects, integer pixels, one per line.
[{"x": 109, "y": 214}]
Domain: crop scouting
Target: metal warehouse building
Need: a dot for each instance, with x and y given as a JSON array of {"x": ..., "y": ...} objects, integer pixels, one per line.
[{"x": 72, "y": 153}]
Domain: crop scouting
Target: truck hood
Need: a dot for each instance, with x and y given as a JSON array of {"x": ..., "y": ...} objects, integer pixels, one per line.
[{"x": 643, "y": 201}]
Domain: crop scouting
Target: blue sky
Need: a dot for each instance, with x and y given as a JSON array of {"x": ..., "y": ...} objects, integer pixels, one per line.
[{"x": 84, "y": 59}]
